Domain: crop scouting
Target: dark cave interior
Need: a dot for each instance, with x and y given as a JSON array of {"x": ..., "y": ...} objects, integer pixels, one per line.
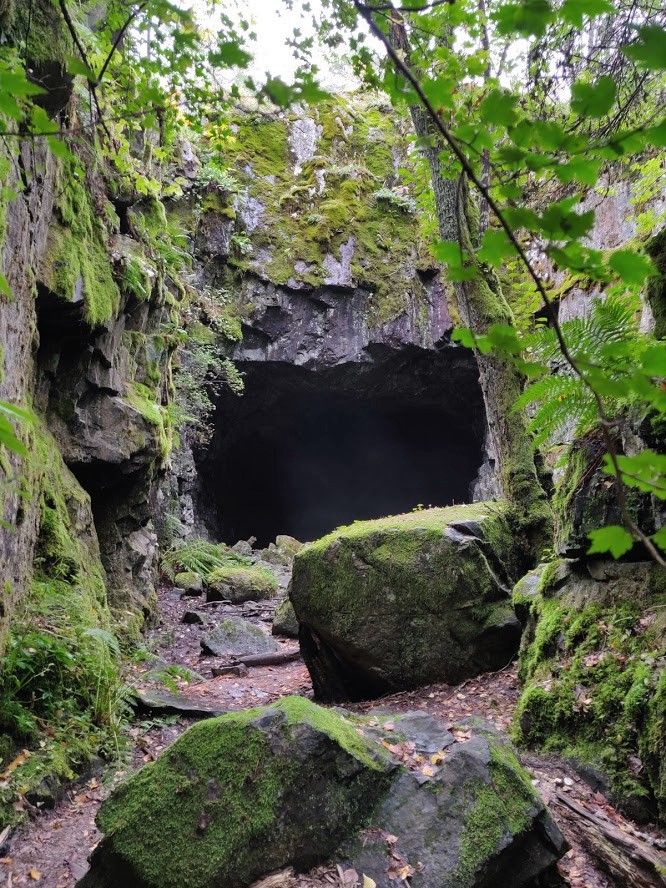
[{"x": 302, "y": 451}]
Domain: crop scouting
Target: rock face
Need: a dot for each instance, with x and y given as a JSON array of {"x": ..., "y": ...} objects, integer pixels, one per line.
[
  {"x": 251, "y": 792},
  {"x": 408, "y": 600},
  {"x": 586, "y": 499},
  {"x": 592, "y": 673}
]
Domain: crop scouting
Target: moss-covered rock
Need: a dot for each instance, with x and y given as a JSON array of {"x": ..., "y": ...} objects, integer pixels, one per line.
[
  {"x": 592, "y": 670},
  {"x": 656, "y": 288},
  {"x": 407, "y": 600},
  {"x": 190, "y": 582},
  {"x": 295, "y": 784},
  {"x": 285, "y": 621},
  {"x": 239, "y": 796},
  {"x": 238, "y": 584},
  {"x": 585, "y": 498}
]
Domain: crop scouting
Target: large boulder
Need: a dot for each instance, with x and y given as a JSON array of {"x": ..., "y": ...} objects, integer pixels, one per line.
[
  {"x": 239, "y": 584},
  {"x": 592, "y": 673},
  {"x": 404, "y": 601},
  {"x": 293, "y": 784}
]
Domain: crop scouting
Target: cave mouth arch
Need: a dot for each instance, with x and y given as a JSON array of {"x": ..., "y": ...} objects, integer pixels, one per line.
[{"x": 304, "y": 451}]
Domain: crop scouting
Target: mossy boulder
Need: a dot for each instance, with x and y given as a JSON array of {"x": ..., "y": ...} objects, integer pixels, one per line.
[
  {"x": 238, "y": 584},
  {"x": 285, "y": 621},
  {"x": 408, "y": 600},
  {"x": 190, "y": 582},
  {"x": 235, "y": 637},
  {"x": 238, "y": 796},
  {"x": 592, "y": 671},
  {"x": 296, "y": 785}
]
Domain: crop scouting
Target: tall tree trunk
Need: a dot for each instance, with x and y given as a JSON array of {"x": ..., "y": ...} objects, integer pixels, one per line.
[{"x": 481, "y": 303}]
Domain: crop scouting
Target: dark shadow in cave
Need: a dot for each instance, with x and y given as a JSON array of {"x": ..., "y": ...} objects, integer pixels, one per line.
[{"x": 303, "y": 452}]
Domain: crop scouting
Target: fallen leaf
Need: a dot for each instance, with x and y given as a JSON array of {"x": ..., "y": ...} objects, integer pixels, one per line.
[
  {"x": 368, "y": 882},
  {"x": 35, "y": 875}
]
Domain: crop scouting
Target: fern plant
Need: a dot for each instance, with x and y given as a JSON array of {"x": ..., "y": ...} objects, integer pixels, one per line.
[
  {"x": 201, "y": 557},
  {"x": 607, "y": 346}
]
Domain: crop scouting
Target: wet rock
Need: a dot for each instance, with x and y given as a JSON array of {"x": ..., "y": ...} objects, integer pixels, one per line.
[
  {"x": 405, "y": 601},
  {"x": 237, "y": 636},
  {"x": 192, "y": 618},
  {"x": 241, "y": 796},
  {"x": 285, "y": 621},
  {"x": 239, "y": 584}
]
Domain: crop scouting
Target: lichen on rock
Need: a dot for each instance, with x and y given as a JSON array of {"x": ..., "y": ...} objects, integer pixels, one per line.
[{"x": 238, "y": 584}]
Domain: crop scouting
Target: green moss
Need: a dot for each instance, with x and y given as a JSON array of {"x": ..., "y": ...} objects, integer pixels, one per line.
[
  {"x": 308, "y": 216},
  {"x": 502, "y": 809},
  {"x": 227, "y": 774},
  {"x": 157, "y": 416},
  {"x": 251, "y": 582},
  {"x": 76, "y": 263},
  {"x": 60, "y": 664},
  {"x": 591, "y": 677}
]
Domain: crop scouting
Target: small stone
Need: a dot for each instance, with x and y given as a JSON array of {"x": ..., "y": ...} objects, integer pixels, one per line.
[
  {"x": 192, "y": 618},
  {"x": 568, "y": 781}
]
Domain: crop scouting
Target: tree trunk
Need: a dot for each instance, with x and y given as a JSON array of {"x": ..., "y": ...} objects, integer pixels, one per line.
[{"x": 481, "y": 303}]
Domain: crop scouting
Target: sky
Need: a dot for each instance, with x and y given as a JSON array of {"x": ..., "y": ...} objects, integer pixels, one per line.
[{"x": 274, "y": 25}]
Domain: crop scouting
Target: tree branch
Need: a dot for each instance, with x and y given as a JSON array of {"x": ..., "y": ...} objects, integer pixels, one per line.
[{"x": 606, "y": 425}]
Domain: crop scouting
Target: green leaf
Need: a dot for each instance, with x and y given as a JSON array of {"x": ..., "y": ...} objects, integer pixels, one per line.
[
  {"x": 16, "y": 84},
  {"x": 75, "y": 65},
  {"x": 632, "y": 268},
  {"x": 496, "y": 247},
  {"x": 230, "y": 55},
  {"x": 654, "y": 360},
  {"x": 575, "y": 11},
  {"x": 659, "y": 538},
  {"x": 278, "y": 92},
  {"x": 613, "y": 539},
  {"x": 499, "y": 107},
  {"x": 593, "y": 99},
  {"x": 526, "y": 19},
  {"x": 649, "y": 51}
]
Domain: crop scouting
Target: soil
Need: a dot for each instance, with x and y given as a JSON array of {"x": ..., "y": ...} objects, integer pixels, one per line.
[{"x": 52, "y": 849}]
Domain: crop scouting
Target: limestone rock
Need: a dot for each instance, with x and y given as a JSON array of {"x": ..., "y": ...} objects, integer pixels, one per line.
[
  {"x": 239, "y": 584},
  {"x": 407, "y": 600},
  {"x": 225, "y": 804},
  {"x": 285, "y": 621},
  {"x": 292, "y": 784},
  {"x": 237, "y": 636}
]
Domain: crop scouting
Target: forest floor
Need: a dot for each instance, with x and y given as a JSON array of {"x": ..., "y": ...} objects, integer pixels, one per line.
[{"x": 52, "y": 849}]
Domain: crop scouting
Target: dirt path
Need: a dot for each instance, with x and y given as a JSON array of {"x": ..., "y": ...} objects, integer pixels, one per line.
[{"x": 51, "y": 851}]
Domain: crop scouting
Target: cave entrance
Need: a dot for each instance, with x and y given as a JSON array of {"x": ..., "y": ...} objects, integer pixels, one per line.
[{"x": 302, "y": 451}]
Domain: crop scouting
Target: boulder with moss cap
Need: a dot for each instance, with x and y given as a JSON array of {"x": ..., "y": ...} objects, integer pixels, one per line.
[
  {"x": 292, "y": 784},
  {"x": 408, "y": 600},
  {"x": 238, "y": 584}
]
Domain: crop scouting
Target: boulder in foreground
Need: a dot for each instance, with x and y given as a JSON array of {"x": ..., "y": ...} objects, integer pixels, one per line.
[
  {"x": 293, "y": 784},
  {"x": 405, "y": 601}
]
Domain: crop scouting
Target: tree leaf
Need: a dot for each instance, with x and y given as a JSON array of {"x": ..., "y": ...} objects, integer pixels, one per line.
[
  {"x": 613, "y": 539},
  {"x": 593, "y": 99},
  {"x": 649, "y": 51},
  {"x": 631, "y": 267}
]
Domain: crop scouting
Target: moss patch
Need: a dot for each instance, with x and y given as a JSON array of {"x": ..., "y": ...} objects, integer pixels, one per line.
[
  {"x": 592, "y": 674},
  {"x": 76, "y": 264},
  {"x": 223, "y": 804},
  {"x": 309, "y": 214},
  {"x": 243, "y": 583},
  {"x": 60, "y": 665}
]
